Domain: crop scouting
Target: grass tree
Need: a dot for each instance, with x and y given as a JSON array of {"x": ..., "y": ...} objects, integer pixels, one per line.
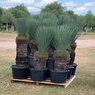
[
  {"x": 61, "y": 39},
  {"x": 65, "y": 19},
  {"x": 21, "y": 25},
  {"x": 61, "y": 43},
  {"x": 33, "y": 24},
  {"x": 76, "y": 26},
  {"x": 75, "y": 32},
  {"x": 42, "y": 39}
]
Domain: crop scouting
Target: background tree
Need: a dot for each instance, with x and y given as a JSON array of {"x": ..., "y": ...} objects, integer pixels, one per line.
[
  {"x": 20, "y": 11},
  {"x": 7, "y": 18},
  {"x": 89, "y": 19},
  {"x": 1, "y": 12},
  {"x": 54, "y": 8}
]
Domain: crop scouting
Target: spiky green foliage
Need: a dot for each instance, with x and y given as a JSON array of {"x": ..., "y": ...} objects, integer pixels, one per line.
[
  {"x": 33, "y": 24},
  {"x": 61, "y": 40},
  {"x": 21, "y": 25},
  {"x": 75, "y": 32},
  {"x": 61, "y": 35},
  {"x": 65, "y": 19},
  {"x": 75, "y": 26},
  {"x": 64, "y": 36},
  {"x": 43, "y": 38},
  {"x": 47, "y": 19}
]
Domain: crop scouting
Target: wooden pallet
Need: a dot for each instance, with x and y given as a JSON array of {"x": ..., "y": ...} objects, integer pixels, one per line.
[{"x": 47, "y": 82}]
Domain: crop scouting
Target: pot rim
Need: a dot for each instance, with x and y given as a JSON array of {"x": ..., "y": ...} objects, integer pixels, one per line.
[
  {"x": 33, "y": 69},
  {"x": 59, "y": 71},
  {"x": 19, "y": 67}
]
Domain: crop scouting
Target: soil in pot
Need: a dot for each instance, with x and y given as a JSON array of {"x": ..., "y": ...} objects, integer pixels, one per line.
[
  {"x": 58, "y": 76},
  {"x": 38, "y": 75},
  {"x": 20, "y": 72}
]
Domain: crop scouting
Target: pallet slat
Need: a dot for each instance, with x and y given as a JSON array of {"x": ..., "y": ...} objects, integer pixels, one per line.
[{"x": 47, "y": 82}]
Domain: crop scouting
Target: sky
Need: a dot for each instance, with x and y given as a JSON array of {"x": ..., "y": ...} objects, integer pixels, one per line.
[{"x": 80, "y": 7}]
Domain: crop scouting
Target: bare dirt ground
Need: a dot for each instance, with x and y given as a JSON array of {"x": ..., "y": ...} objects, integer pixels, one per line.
[
  {"x": 9, "y": 43},
  {"x": 85, "y": 43}
]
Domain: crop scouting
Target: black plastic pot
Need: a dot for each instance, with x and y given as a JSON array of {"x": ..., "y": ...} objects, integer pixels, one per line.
[
  {"x": 58, "y": 76},
  {"x": 70, "y": 68},
  {"x": 74, "y": 70},
  {"x": 50, "y": 63},
  {"x": 38, "y": 75},
  {"x": 30, "y": 61},
  {"x": 20, "y": 72},
  {"x": 21, "y": 60},
  {"x": 72, "y": 56}
]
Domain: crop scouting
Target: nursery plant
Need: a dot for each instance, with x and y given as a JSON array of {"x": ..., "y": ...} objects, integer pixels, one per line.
[
  {"x": 21, "y": 25},
  {"x": 61, "y": 43},
  {"x": 42, "y": 39},
  {"x": 62, "y": 40},
  {"x": 76, "y": 25},
  {"x": 33, "y": 25},
  {"x": 65, "y": 19},
  {"x": 61, "y": 56},
  {"x": 77, "y": 28},
  {"x": 20, "y": 70}
]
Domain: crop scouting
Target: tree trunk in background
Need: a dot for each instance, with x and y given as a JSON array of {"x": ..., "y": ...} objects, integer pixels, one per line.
[{"x": 6, "y": 26}]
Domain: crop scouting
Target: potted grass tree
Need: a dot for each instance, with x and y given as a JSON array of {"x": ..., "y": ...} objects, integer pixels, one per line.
[
  {"x": 49, "y": 20},
  {"x": 42, "y": 39},
  {"x": 43, "y": 19},
  {"x": 32, "y": 47},
  {"x": 77, "y": 26},
  {"x": 20, "y": 70},
  {"x": 61, "y": 55}
]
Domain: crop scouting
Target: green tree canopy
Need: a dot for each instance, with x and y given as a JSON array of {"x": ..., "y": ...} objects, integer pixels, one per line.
[
  {"x": 54, "y": 8},
  {"x": 1, "y": 12},
  {"x": 71, "y": 14},
  {"x": 7, "y": 17},
  {"x": 89, "y": 19},
  {"x": 20, "y": 11}
]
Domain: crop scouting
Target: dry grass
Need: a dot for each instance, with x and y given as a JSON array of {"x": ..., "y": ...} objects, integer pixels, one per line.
[{"x": 84, "y": 84}]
